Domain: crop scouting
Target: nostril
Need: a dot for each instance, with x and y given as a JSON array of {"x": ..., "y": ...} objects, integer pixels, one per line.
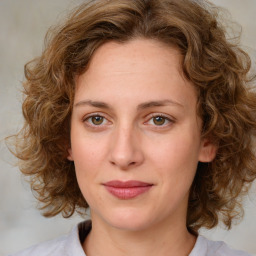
[{"x": 129, "y": 164}]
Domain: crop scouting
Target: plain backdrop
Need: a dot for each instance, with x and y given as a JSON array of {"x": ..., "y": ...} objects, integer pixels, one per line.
[{"x": 23, "y": 24}]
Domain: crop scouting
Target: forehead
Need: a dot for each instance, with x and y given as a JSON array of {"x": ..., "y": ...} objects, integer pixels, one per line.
[
  {"x": 144, "y": 68},
  {"x": 135, "y": 53}
]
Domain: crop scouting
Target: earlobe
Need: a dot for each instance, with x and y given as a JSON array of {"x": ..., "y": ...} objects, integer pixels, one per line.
[
  {"x": 208, "y": 151},
  {"x": 70, "y": 156}
]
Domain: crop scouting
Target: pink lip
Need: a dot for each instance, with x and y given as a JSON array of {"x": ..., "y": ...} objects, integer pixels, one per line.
[{"x": 127, "y": 189}]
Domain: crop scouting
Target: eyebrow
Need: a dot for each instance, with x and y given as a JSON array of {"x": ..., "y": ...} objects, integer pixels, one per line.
[
  {"x": 145, "y": 105},
  {"x": 158, "y": 103},
  {"x": 97, "y": 104}
]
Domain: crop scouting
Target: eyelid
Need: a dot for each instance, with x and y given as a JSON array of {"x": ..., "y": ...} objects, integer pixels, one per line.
[
  {"x": 167, "y": 117},
  {"x": 94, "y": 114}
]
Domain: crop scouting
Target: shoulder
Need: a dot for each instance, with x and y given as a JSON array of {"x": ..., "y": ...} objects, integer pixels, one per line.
[
  {"x": 205, "y": 247},
  {"x": 54, "y": 247},
  {"x": 67, "y": 245}
]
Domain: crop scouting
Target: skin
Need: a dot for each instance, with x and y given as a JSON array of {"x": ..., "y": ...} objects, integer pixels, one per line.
[{"x": 144, "y": 127}]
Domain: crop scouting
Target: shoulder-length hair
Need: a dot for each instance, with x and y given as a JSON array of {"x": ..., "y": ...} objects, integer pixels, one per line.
[{"x": 217, "y": 68}]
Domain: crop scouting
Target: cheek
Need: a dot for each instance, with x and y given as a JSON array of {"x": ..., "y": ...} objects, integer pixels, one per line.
[
  {"x": 175, "y": 152},
  {"x": 87, "y": 157},
  {"x": 86, "y": 147},
  {"x": 88, "y": 160},
  {"x": 176, "y": 160}
]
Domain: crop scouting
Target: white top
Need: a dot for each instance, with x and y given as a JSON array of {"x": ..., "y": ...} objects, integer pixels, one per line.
[{"x": 70, "y": 245}]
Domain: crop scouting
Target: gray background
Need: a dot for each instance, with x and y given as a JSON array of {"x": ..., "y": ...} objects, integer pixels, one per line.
[{"x": 23, "y": 24}]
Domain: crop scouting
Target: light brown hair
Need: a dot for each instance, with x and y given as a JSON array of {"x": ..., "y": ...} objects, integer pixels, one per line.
[{"x": 217, "y": 67}]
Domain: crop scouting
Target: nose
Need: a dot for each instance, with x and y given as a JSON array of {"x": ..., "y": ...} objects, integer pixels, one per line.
[{"x": 126, "y": 150}]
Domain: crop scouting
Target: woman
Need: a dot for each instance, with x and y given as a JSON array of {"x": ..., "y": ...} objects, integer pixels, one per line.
[{"x": 142, "y": 111}]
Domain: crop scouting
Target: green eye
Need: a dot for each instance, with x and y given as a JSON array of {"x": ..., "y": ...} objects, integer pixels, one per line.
[
  {"x": 159, "y": 120},
  {"x": 97, "y": 120}
]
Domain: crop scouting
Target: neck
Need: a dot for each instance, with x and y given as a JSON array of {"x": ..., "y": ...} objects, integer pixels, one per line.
[{"x": 159, "y": 240}]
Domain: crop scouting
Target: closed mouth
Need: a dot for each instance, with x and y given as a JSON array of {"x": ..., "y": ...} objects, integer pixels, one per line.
[{"x": 127, "y": 189}]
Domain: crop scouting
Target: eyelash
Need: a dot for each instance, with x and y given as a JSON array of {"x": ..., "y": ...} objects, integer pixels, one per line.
[
  {"x": 151, "y": 117},
  {"x": 90, "y": 124},
  {"x": 166, "y": 119}
]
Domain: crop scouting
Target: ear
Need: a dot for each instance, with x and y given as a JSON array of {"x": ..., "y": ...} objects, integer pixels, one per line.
[
  {"x": 70, "y": 155},
  {"x": 208, "y": 151}
]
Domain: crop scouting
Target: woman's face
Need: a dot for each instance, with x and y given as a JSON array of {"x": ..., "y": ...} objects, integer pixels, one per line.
[{"x": 135, "y": 136}]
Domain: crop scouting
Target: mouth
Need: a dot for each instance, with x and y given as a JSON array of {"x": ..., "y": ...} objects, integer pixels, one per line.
[{"x": 127, "y": 189}]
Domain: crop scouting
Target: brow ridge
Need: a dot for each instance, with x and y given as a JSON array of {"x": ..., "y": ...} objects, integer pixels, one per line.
[
  {"x": 97, "y": 104},
  {"x": 158, "y": 103},
  {"x": 149, "y": 104}
]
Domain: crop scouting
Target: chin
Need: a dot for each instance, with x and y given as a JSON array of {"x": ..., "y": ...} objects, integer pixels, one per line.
[
  {"x": 130, "y": 220},
  {"x": 131, "y": 225}
]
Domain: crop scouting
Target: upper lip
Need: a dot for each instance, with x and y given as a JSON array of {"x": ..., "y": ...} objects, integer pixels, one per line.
[{"x": 126, "y": 184}]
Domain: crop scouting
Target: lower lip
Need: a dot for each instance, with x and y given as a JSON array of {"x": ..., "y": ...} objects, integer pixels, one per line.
[{"x": 127, "y": 193}]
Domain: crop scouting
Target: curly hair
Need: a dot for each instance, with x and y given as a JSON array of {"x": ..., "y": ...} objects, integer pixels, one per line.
[{"x": 218, "y": 68}]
